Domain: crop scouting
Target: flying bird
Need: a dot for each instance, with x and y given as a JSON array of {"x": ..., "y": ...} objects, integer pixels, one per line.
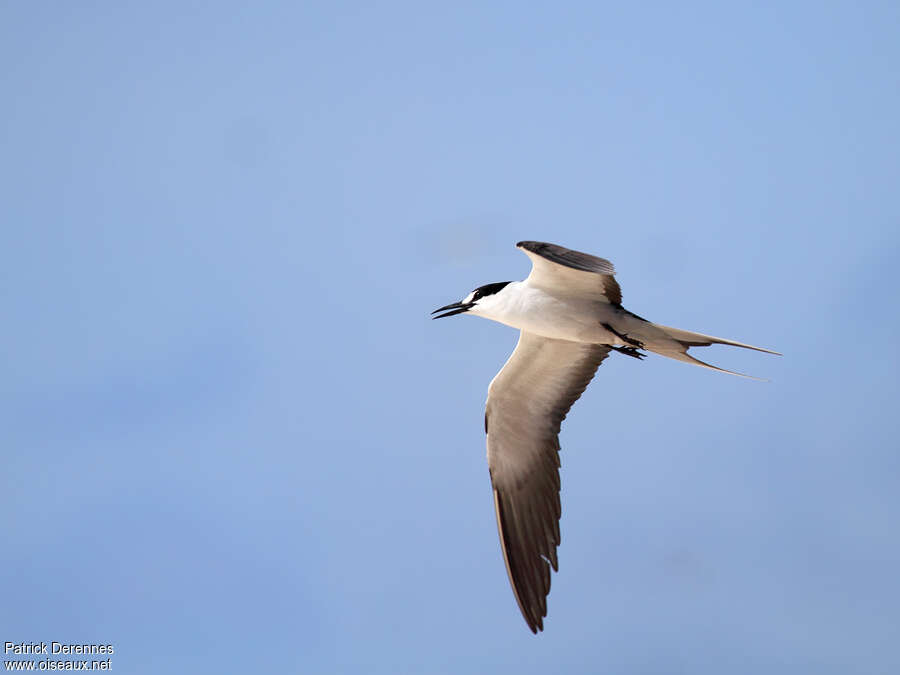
[{"x": 570, "y": 317}]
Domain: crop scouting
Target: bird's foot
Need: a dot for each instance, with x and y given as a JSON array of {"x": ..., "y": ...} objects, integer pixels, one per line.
[
  {"x": 629, "y": 351},
  {"x": 634, "y": 343}
]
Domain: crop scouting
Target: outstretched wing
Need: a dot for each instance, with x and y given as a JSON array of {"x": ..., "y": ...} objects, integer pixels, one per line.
[
  {"x": 527, "y": 402},
  {"x": 573, "y": 272}
]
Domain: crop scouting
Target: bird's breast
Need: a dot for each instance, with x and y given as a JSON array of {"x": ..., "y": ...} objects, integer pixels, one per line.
[{"x": 570, "y": 319}]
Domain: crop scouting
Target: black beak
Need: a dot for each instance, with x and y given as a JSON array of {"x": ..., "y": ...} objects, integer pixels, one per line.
[{"x": 457, "y": 307}]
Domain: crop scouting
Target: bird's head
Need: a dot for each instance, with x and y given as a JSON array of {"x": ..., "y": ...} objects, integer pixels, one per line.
[{"x": 479, "y": 300}]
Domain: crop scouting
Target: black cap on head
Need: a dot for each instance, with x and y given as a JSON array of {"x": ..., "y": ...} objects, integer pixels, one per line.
[{"x": 488, "y": 289}]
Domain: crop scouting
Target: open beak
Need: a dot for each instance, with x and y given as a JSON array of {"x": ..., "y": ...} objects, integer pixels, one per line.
[{"x": 456, "y": 307}]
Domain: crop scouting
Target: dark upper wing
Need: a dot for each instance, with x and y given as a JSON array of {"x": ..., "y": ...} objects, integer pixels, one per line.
[
  {"x": 527, "y": 402},
  {"x": 555, "y": 267}
]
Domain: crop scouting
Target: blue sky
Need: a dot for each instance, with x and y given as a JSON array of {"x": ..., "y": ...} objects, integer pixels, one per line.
[{"x": 232, "y": 439}]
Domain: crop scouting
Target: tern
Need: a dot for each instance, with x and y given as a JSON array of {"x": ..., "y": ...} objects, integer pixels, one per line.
[{"x": 570, "y": 316}]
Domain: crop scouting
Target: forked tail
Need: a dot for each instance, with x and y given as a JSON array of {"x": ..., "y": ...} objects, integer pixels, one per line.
[{"x": 681, "y": 340}]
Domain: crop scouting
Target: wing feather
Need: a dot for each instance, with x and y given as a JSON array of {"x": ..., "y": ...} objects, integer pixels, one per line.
[
  {"x": 527, "y": 401},
  {"x": 558, "y": 268}
]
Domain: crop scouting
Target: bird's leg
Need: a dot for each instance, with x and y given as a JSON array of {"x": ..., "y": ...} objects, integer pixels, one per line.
[
  {"x": 624, "y": 338},
  {"x": 628, "y": 351}
]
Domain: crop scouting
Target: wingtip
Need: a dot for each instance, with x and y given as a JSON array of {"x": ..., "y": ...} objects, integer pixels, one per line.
[{"x": 533, "y": 619}]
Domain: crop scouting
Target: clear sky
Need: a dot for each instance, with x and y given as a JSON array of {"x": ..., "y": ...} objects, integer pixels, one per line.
[{"x": 232, "y": 440}]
